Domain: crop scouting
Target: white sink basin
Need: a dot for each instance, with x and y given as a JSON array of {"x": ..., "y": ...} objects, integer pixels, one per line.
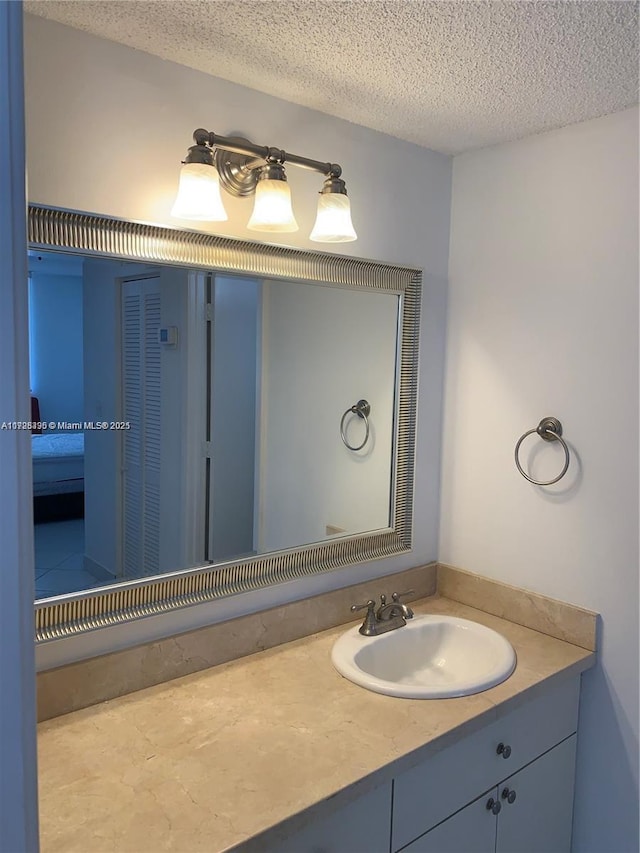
[{"x": 432, "y": 657}]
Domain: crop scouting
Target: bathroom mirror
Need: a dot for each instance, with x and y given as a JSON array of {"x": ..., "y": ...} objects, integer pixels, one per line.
[{"x": 200, "y": 418}]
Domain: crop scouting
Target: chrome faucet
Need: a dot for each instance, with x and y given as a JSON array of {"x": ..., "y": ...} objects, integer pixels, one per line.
[{"x": 387, "y": 617}]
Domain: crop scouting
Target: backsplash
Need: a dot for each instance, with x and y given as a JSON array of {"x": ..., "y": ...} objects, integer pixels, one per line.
[
  {"x": 79, "y": 685},
  {"x": 88, "y": 682}
]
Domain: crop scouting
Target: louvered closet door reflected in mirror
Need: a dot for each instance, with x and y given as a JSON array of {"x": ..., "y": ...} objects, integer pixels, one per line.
[
  {"x": 158, "y": 483},
  {"x": 142, "y": 404}
]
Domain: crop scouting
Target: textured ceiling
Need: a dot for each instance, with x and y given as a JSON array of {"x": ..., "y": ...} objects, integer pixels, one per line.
[{"x": 447, "y": 75}]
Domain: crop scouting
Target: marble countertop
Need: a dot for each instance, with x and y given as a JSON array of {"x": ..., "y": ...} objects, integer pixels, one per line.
[{"x": 204, "y": 762}]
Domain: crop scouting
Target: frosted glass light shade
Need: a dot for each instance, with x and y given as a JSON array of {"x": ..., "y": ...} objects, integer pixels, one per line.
[
  {"x": 272, "y": 209},
  {"x": 199, "y": 194},
  {"x": 333, "y": 222}
]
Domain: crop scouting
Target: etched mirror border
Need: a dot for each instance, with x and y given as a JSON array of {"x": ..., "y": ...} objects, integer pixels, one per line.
[{"x": 90, "y": 234}]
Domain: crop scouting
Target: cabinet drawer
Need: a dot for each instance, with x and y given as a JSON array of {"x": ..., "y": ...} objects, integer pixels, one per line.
[{"x": 430, "y": 792}]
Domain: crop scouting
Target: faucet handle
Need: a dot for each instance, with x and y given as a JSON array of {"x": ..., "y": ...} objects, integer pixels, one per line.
[
  {"x": 396, "y": 596},
  {"x": 370, "y": 604},
  {"x": 368, "y": 627}
]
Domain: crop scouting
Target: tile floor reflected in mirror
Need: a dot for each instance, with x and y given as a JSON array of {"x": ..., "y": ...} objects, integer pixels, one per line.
[{"x": 59, "y": 559}]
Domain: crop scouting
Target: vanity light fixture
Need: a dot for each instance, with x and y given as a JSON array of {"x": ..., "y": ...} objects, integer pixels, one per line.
[
  {"x": 272, "y": 210},
  {"x": 333, "y": 221},
  {"x": 199, "y": 189},
  {"x": 242, "y": 169}
]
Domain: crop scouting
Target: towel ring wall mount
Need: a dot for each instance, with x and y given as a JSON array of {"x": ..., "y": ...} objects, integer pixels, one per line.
[
  {"x": 549, "y": 429},
  {"x": 362, "y": 409}
]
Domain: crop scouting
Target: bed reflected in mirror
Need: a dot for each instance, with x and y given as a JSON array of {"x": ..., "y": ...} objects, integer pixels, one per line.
[{"x": 189, "y": 417}]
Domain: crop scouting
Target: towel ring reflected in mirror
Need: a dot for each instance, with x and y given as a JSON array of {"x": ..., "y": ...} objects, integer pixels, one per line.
[{"x": 362, "y": 409}]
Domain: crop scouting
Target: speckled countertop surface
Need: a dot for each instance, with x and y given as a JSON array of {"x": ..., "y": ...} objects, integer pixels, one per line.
[{"x": 206, "y": 761}]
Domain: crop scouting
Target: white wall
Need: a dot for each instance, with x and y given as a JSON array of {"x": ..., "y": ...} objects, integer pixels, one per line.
[
  {"x": 18, "y": 777},
  {"x": 56, "y": 352},
  {"x": 325, "y": 349},
  {"x": 543, "y": 320},
  {"x": 107, "y": 127}
]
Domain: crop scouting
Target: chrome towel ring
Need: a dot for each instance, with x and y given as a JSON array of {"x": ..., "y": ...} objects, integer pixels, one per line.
[
  {"x": 549, "y": 429},
  {"x": 362, "y": 409}
]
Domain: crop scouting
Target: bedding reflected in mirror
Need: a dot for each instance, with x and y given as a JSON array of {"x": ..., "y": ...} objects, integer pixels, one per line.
[{"x": 191, "y": 417}]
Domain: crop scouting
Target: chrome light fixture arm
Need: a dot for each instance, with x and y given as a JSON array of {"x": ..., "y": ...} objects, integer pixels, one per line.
[{"x": 240, "y": 161}]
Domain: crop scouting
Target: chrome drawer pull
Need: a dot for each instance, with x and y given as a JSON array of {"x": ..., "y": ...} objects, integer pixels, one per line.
[
  {"x": 493, "y": 806},
  {"x": 504, "y": 750},
  {"x": 509, "y": 795}
]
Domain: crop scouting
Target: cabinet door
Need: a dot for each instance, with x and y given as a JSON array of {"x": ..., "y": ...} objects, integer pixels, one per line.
[
  {"x": 539, "y": 819},
  {"x": 471, "y": 830},
  {"x": 362, "y": 826},
  {"x": 428, "y": 793}
]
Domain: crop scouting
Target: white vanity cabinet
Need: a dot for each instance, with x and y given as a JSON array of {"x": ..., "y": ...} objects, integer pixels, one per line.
[
  {"x": 539, "y": 817},
  {"x": 442, "y": 804},
  {"x": 471, "y": 830},
  {"x": 505, "y": 788},
  {"x": 362, "y": 826},
  {"x": 530, "y": 812}
]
